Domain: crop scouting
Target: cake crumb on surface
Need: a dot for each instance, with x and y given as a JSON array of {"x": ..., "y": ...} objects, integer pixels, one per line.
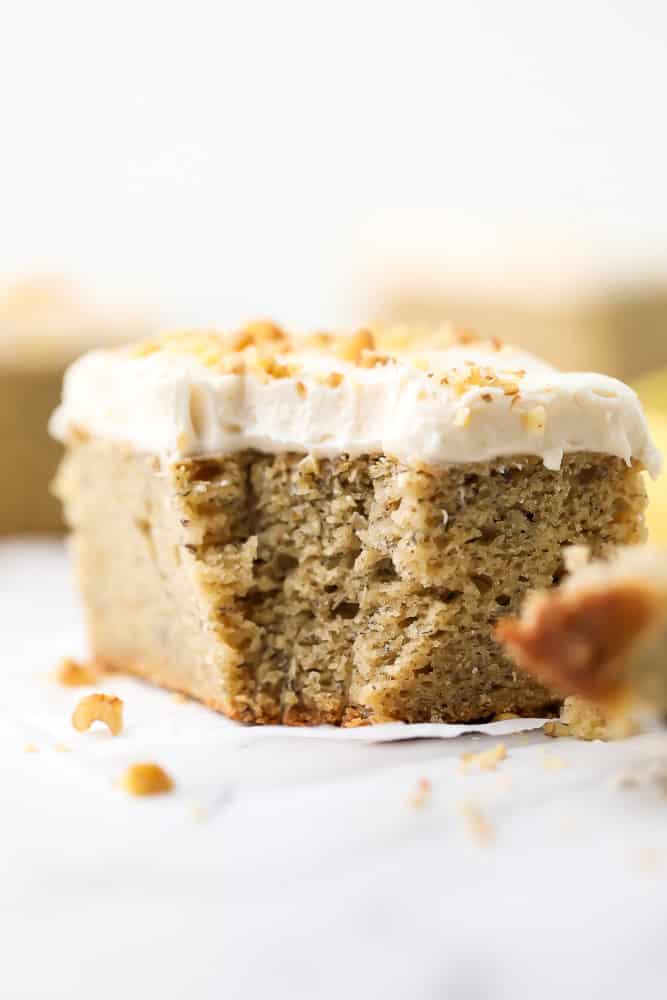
[
  {"x": 582, "y": 720},
  {"x": 146, "y": 778},
  {"x": 71, "y": 673},
  {"x": 552, "y": 763},
  {"x": 646, "y": 773},
  {"x": 106, "y": 708},
  {"x": 479, "y": 827},
  {"x": 420, "y": 797},
  {"x": 31, "y": 748},
  {"x": 486, "y": 760}
]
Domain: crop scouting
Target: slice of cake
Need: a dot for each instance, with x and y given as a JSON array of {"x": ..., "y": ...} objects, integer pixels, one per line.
[
  {"x": 310, "y": 531},
  {"x": 602, "y": 634}
]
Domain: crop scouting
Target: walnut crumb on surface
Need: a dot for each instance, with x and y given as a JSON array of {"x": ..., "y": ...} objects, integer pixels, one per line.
[
  {"x": 486, "y": 760},
  {"x": 582, "y": 720},
  {"x": 104, "y": 708},
  {"x": 146, "y": 779},
  {"x": 479, "y": 827},
  {"x": 71, "y": 673},
  {"x": 420, "y": 797}
]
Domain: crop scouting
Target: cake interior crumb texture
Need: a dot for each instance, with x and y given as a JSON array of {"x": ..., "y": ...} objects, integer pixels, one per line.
[{"x": 278, "y": 588}]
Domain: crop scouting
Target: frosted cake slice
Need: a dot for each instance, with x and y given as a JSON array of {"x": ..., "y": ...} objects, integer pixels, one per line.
[{"x": 308, "y": 531}]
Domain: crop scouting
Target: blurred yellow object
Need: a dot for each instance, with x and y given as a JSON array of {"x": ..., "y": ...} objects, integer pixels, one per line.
[
  {"x": 652, "y": 390},
  {"x": 616, "y": 330},
  {"x": 44, "y": 324}
]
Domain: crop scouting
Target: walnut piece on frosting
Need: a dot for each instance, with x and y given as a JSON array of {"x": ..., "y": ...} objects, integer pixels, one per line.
[
  {"x": 104, "y": 708},
  {"x": 263, "y": 349}
]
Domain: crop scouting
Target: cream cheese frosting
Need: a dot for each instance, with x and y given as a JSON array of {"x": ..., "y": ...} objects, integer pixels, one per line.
[{"x": 466, "y": 403}]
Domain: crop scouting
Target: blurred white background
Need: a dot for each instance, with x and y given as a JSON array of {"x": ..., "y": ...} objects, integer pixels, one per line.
[{"x": 219, "y": 160}]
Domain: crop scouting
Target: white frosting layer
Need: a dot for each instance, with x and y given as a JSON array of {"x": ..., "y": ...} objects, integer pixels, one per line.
[{"x": 175, "y": 406}]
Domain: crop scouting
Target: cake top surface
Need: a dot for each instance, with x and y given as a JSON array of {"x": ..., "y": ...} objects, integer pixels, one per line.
[{"x": 431, "y": 397}]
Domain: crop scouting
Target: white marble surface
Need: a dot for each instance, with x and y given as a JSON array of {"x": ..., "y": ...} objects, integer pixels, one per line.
[{"x": 284, "y": 867}]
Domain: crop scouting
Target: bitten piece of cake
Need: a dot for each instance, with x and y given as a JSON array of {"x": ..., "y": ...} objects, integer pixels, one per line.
[
  {"x": 602, "y": 634},
  {"x": 312, "y": 530}
]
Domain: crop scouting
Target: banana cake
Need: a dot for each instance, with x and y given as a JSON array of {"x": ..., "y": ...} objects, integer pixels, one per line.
[{"x": 308, "y": 530}]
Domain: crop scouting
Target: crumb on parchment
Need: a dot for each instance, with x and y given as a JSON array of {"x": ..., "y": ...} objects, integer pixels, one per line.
[
  {"x": 553, "y": 763},
  {"x": 582, "y": 720},
  {"x": 146, "y": 779},
  {"x": 486, "y": 760},
  {"x": 420, "y": 797},
  {"x": 106, "y": 708},
  {"x": 71, "y": 673},
  {"x": 479, "y": 827}
]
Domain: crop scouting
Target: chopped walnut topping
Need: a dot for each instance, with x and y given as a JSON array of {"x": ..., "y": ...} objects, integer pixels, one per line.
[
  {"x": 146, "y": 779},
  {"x": 474, "y": 376},
  {"x": 373, "y": 359},
  {"x": 274, "y": 368},
  {"x": 334, "y": 380},
  {"x": 262, "y": 349},
  {"x": 345, "y": 348},
  {"x": 534, "y": 420},
  {"x": 104, "y": 708},
  {"x": 301, "y": 389},
  {"x": 486, "y": 760},
  {"x": 257, "y": 334},
  {"x": 71, "y": 673}
]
